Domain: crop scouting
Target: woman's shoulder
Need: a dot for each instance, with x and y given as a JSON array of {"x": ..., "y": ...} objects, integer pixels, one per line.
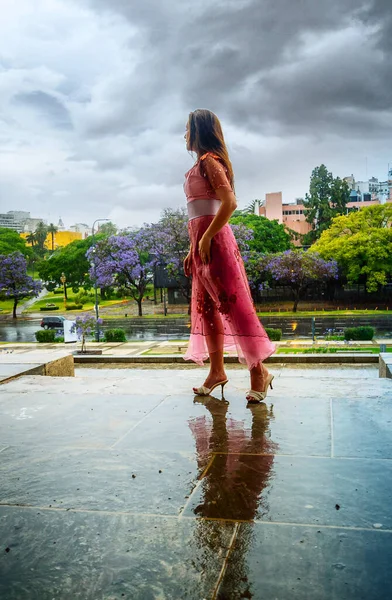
[{"x": 211, "y": 154}]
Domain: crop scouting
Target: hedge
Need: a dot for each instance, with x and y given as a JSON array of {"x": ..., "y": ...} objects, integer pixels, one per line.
[
  {"x": 115, "y": 335},
  {"x": 359, "y": 333},
  {"x": 275, "y": 335},
  {"x": 48, "y": 308},
  {"x": 45, "y": 335},
  {"x": 73, "y": 306}
]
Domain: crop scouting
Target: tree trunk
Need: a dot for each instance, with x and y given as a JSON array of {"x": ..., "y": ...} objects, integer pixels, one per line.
[
  {"x": 296, "y": 301},
  {"x": 14, "y": 308},
  {"x": 139, "y": 304}
]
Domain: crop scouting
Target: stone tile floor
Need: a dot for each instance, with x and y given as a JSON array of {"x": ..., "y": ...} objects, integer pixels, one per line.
[{"x": 119, "y": 483}]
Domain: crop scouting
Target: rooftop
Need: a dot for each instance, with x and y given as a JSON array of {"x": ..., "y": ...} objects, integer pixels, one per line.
[{"x": 120, "y": 483}]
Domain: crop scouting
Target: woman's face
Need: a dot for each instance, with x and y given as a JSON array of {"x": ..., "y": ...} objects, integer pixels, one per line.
[{"x": 186, "y": 136}]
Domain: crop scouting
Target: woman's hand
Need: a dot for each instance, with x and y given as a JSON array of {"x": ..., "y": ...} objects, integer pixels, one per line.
[
  {"x": 188, "y": 264},
  {"x": 205, "y": 249}
]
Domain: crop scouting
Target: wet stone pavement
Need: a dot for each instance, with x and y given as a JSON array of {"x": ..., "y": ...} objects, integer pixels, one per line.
[{"x": 121, "y": 484}]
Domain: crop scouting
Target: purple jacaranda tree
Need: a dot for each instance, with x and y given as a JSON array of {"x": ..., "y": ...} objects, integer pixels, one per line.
[
  {"x": 170, "y": 245},
  {"x": 299, "y": 270},
  {"x": 243, "y": 236},
  {"x": 14, "y": 281},
  {"x": 124, "y": 261},
  {"x": 85, "y": 326}
]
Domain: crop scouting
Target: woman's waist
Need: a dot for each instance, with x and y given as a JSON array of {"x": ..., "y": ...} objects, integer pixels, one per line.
[{"x": 202, "y": 207}]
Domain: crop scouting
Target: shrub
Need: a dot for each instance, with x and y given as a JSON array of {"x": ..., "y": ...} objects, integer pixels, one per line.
[
  {"x": 359, "y": 333},
  {"x": 48, "y": 308},
  {"x": 45, "y": 336},
  {"x": 81, "y": 298},
  {"x": 74, "y": 306},
  {"x": 58, "y": 291},
  {"x": 115, "y": 335},
  {"x": 59, "y": 339},
  {"x": 275, "y": 335}
]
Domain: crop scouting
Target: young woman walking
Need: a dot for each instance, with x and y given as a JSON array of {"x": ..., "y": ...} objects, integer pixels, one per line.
[{"x": 223, "y": 316}]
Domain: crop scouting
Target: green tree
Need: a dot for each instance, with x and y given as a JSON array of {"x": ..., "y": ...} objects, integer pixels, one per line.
[
  {"x": 31, "y": 240},
  {"x": 40, "y": 235},
  {"x": 248, "y": 210},
  {"x": 268, "y": 236},
  {"x": 361, "y": 243},
  {"x": 108, "y": 229},
  {"x": 327, "y": 198},
  {"x": 70, "y": 260},
  {"x": 10, "y": 241},
  {"x": 52, "y": 229}
]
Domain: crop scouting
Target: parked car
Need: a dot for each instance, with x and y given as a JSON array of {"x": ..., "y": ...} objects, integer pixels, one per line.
[{"x": 53, "y": 322}]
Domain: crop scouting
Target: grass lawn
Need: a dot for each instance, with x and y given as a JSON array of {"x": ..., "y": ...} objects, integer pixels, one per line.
[
  {"x": 317, "y": 350},
  {"x": 284, "y": 314},
  {"x": 327, "y": 313},
  {"x": 332, "y": 350},
  {"x": 58, "y": 300},
  {"x": 6, "y": 307}
]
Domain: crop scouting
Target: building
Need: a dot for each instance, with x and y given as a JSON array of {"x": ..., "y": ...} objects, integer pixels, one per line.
[
  {"x": 30, "y": 225},
  {"x": 362, "y": 194},
  {"x": 14, "y": 219},
  {"x": 60, "y": 239},
  {"x": 372, "y": 190},
  {"x": 82, "y": 228},
  {"x": 290, "y": 215}
]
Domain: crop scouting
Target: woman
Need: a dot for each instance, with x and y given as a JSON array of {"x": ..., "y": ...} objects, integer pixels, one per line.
[{"x": 222, "y": 313}]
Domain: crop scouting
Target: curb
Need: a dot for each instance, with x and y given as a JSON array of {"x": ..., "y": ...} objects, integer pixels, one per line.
[{"x": 346, "y": 358}]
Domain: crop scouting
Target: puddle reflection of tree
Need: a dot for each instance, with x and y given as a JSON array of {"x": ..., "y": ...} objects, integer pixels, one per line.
[{"x": 242, "y": 462}]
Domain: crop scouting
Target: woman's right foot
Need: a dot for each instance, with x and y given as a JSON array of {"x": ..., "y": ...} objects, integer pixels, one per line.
[
  {"x": 214, "y": 378},
  {"x": 211, "y": 382}
]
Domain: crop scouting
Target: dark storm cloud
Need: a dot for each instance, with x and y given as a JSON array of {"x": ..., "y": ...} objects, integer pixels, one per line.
[
  {"x": 46, "y": 106},
  {"x": 295, "y": 83},
  {"x": 235, "y": 59}
]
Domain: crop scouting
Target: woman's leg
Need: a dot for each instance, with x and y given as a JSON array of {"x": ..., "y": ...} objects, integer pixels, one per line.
[
  {"x": 257, "y": 377},
  {"x": 215, "y": 351},
  {"x": 214, "y": 335}
]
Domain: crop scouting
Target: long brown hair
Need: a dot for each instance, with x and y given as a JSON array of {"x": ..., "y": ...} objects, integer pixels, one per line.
[{"x": 206, "y": 135}]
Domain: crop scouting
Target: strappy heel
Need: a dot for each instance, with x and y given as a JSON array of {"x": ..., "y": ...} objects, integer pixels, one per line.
[
  {"x": 253, "y": 396},
  {"x": 205, "y": 391}
]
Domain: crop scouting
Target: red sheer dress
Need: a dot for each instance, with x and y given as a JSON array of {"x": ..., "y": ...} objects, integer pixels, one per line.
[{"x": 221, "y": 301}]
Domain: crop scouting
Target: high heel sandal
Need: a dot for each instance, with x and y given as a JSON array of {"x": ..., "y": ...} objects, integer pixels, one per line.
[
  {"x": 205, "y": 391},
  {"x": 253, "y": 396}
]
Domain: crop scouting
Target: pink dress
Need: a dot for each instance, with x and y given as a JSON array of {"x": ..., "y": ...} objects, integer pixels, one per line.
[{"x": 221, "y": 303}]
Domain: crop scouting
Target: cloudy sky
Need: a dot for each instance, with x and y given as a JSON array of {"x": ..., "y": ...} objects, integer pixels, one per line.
[{"x": 94, "y": 96}]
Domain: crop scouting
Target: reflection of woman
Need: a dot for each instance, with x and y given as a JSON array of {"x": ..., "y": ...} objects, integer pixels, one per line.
[
  {"x": 241, "y": 467},
  {"x": 222, "y": 312}
]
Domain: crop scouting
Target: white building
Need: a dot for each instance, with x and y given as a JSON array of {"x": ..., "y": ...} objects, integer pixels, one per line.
[{"x": 82, "y": 228}]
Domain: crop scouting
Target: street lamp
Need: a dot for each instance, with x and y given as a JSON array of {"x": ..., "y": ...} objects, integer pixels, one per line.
[
  {"x": 95, "y": 281},
  {"x": 63, "y": 280}
]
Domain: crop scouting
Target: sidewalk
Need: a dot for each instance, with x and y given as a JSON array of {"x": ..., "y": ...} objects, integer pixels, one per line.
[{"x": 121, "y": 484}]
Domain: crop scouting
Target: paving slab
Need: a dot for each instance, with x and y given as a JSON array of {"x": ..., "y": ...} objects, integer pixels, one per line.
[
  {"x": 308, "y": 563},
  {"x": 120, "y": 483},
  {"x": 102, "y": 556}
]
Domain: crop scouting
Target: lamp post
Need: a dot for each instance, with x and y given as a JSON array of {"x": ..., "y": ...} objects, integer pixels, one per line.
[
  {"x": 63, "y": 280},
  {"x": 95, "y": 282}
]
